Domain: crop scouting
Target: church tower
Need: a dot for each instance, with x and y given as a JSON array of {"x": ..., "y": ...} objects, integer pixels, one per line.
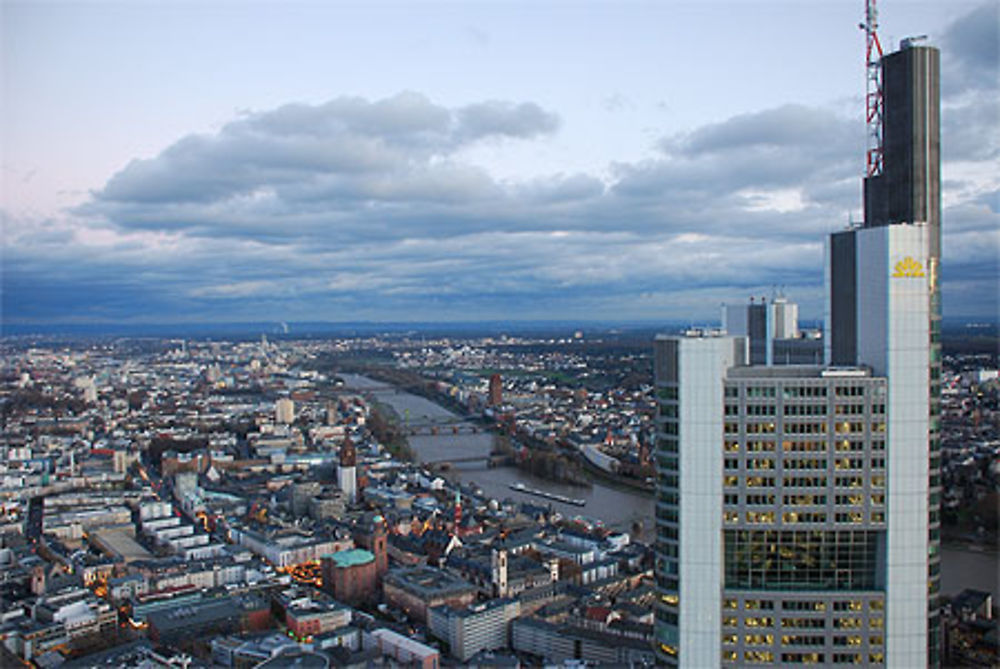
[{"x": 347, "y": 477}]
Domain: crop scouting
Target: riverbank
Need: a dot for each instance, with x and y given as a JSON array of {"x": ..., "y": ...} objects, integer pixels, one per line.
[
  {"x": 616, "y": 480},
  {"x": 384, "y": 424}
]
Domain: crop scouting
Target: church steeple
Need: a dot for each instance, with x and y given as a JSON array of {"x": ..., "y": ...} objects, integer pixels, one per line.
[{"x": 348, "y": 454}]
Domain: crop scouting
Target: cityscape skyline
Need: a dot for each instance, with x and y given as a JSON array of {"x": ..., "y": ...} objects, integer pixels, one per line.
[
  {"x": 411, "y": 358},
  {"x": 482, "y": 187}
]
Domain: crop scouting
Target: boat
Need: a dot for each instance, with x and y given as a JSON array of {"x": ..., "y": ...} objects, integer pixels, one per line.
[{"x": 520, "y": 487}]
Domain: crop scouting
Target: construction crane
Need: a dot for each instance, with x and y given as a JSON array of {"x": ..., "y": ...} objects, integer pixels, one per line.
[{"x": 873, "y": 97}]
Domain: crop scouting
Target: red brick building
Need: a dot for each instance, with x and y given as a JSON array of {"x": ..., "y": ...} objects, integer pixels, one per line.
[{"x": 350, "y": 576}]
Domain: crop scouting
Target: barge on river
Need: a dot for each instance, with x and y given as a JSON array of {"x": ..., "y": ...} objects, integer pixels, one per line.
[{"x": 520, "y": 487}]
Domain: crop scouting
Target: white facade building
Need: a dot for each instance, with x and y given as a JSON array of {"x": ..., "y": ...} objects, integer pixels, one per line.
[{"x": 284, "y": 411}]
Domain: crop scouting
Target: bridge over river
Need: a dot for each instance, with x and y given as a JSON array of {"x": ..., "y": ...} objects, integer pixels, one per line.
[
  {"x": 435, "y": 426},
  {"x": 490, "y": 460}
]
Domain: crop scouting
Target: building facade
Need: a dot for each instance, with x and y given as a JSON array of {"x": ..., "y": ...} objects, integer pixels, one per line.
[{"x": 284, "y": 411}]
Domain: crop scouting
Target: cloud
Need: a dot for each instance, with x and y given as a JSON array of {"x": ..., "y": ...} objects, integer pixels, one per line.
[
  {"x": 789, "y": 127},
  {"x": 504, "y": 119},
  {"x": 970, "y": 129},
  {"x": 345, "y": 144},
  {"x": 970, "y": 78},
  {"x": 361, "y": 209},
  {"x": 971, "y": 48}
]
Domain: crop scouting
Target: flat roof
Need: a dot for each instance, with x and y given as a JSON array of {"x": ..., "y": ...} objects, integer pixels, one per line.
[
  {"x": 428, "y": 581},
  {"x": 780, "y": 372},
  {"x": 122, "y": 544},
  {"x": 204, "y": 612},
  {"x": 413, "y": 646}
]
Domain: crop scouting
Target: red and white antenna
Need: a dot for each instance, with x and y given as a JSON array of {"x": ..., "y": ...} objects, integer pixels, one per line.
[{"x": 873, "y": 98}]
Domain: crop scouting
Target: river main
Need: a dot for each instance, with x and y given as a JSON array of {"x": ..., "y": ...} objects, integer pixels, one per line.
[{"x": 618, "y": 509}]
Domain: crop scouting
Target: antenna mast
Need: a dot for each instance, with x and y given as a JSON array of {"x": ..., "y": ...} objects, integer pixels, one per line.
[{"x": 873, "y": 98}]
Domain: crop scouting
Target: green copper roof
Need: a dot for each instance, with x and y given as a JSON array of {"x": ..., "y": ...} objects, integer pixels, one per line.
[{"x": 350, "y": 558}]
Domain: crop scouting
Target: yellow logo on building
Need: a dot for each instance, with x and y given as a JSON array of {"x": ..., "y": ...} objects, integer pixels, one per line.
[{"x": 908, "y": 267}]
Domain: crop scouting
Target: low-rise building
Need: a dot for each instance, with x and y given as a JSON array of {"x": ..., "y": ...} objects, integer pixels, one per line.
[
  {"x": 477, "y": 627},
  {"x": 309, "y": 612},
  {"x": 30, "y": 638},
  {"x": 223, "y": 615},
  {"x": 287, "y": 549},
  {"x": 78, "y": 610},
  {"x": 415, "y": 590},
  {"x": 559, "y": 643},
  {"x": 404, "y": 650}
]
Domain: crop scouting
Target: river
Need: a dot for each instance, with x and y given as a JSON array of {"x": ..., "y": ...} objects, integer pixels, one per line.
[
  {"x": 618, "y": 509},
  {"x": 963, "y": 568}
]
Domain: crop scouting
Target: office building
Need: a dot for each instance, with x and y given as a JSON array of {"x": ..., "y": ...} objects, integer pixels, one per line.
[
  {"x": 224, "y": 615},
  {"x": 797, "y": 512},
  {"x": 307, "y": 613},
  {"x": 35, "y": 518},
  {"x": 884, "y": 268},
  {"x": 572, "y": 645},
  {"x": 477, "y": 627}
]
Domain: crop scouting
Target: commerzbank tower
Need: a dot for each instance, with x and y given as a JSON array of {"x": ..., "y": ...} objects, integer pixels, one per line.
[{"x": 798, "y": 505}]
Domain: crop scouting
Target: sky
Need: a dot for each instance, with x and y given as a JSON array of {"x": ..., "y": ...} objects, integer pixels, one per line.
[{"x": 171, "y": 162}]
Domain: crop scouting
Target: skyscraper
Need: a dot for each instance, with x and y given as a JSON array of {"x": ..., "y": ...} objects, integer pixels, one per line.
[
  {"x": 772, "y": 330},
  {"x": 797, "y": 511},
  {"x": 902, "y": 229}
]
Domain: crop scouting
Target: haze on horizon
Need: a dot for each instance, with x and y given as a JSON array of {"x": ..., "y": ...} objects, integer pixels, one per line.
[{"x": 220, "y": 162}]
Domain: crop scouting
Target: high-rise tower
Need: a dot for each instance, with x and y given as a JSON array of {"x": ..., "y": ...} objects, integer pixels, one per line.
[
  {"x": 869, "y": 317},
  {"x": 797, "y": 511}
]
